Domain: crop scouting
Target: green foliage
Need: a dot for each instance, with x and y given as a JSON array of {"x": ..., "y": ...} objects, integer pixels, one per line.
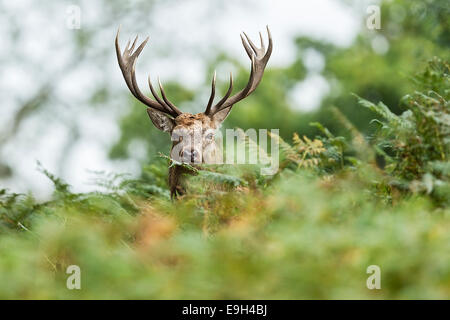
[
  {"x": 303, "y": 237},
  {"x": 416, "y": 143},
  {"x": 15, "y": 209},
  {"x": 304, "y": 153},
  {"x": 412, "y": 31}
]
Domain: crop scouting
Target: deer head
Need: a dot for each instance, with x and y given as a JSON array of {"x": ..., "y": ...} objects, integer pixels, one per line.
[{"x": 193, "y": 135}]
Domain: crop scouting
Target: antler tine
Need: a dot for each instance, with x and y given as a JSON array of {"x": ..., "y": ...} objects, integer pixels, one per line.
[
  {"x": 170, "y": 104},
  {"x": 244, "y": 92},
  {"x": 144, "y": 99},
  {"x": 122, "y": 63},
  {"x": 213, "y": 93},
  {"x": 155, "y": 95},
  {"x": 269, "y": 48},
  {"x": 134, "y": 42},
  {"x": 263, "y": 48},
  {"x": 246, "y": 47},
  {"x": 254, "y": 47},
  {"x": 225, "y": 97},
  {"x": 127, "y": 62},
  {"x": 259, "y": 58}
]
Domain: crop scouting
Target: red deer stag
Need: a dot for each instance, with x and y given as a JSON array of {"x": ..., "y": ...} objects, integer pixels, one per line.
[{"x": 192, "y": 135}]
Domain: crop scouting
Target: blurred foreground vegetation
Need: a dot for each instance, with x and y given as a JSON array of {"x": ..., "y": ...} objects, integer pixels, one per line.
[{"x": 336, "y": 206}]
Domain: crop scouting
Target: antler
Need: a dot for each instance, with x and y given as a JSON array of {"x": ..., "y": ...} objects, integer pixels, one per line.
[
  {"x": 259, "y": 58},
  {"x": 127, "y": 62}
]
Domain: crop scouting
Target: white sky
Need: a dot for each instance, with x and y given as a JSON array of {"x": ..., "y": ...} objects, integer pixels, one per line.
[{"x": 182, "y": 23}]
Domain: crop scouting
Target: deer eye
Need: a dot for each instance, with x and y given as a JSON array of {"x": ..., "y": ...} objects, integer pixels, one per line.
[{"x": 209, "y": 136}]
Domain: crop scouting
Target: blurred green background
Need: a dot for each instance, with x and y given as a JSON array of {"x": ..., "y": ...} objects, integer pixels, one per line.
[{"x": 298, "y": 236}]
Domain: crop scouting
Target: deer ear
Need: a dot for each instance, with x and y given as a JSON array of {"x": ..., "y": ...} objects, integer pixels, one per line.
[
  {"x": 220, "y": 116},
  {"x": 161, "y": 120}
]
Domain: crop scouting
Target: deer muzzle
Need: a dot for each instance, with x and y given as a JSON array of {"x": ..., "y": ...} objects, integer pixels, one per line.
[{"x": 190, "y": 155}]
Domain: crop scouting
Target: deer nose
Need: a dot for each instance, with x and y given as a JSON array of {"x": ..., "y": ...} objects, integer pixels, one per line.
[{"x": 191, "y": 155}]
